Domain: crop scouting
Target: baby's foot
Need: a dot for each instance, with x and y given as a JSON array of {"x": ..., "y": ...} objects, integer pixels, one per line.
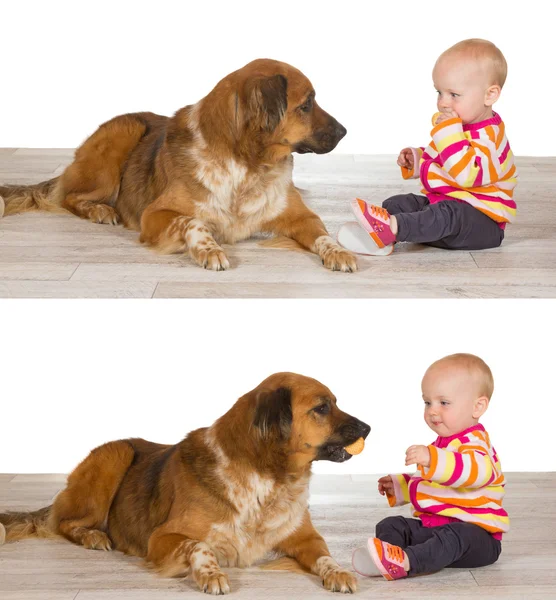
[
  {"x": 375, "y": 220},
  {"x": 372, "y": 234},
  {"x": 381, "y": 558}
]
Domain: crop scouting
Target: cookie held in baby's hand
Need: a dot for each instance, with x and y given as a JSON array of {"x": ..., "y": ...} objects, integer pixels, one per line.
[{"x": 356, "y": 447}]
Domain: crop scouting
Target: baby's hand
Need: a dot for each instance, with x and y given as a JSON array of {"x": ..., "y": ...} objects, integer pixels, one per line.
[
  {"x": 386, "y": 485},
  {"x": 405, "y": 159},
  {"x": 418, "y": 455},
  {"x": 444, "y": 116}
]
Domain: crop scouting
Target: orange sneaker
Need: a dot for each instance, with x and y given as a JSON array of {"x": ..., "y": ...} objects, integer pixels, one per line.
[
  {"x": 388, "y": 559},
  {"x": 375, "y": 220}
]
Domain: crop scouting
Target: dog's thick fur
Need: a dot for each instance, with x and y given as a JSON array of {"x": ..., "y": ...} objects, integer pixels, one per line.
[
  {"x": 224, "y": 496},
  {"x": 216, "y": 172}
]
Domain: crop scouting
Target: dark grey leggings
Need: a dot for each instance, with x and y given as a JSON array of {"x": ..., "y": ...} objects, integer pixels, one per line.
[
  {"x": 448, "y": 224},
  {"x": 429, "y": 549}
]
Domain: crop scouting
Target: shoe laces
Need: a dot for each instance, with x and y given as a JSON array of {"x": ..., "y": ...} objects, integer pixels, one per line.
[
  {"x": 395, "y": 553},
  {"x": 378, "y": 211}
]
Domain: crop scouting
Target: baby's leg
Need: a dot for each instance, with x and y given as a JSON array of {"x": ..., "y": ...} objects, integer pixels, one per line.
[
  {"x": 461, "y": 545},
  {"x": 451, "y": 225},
  {"x": 400, "y": 531},
  {"x": 405, "y": 203}
]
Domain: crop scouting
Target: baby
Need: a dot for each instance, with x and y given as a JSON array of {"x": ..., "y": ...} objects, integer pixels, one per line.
[
  {"x": 457, "y": 491},
  {"x": 467, "y": 172}
]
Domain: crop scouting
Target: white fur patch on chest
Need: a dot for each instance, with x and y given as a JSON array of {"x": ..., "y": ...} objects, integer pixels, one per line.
[
  {"x": 266, "y": 513},
  {"x": 238, "y": 201}
]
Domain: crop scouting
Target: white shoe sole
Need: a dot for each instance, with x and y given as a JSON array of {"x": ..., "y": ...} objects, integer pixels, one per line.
[{"x": 355, "y": 239}]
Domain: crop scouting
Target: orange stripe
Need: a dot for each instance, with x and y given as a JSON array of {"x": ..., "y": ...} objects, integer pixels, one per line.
[
  {"x": 493, "y": 216},
  {"x": 509, "y": 174},
  {"x": 433, "y": 463},
  {"x": 489, "y": 528},
  {"x": 460, "y": 166},
  {"x": 491, "y": 135},
  {"x": 492, "y": 189},
  {"x": 446, "y": 123},
  {"x": 467, "y": 447},
  {"x": 473, "y": 474},
  {"x": 492, "y": 171},
  {"x": 480, "y": 435},
  {"x": 501, "y": 132},
  {"x": 473, "y": 503}
]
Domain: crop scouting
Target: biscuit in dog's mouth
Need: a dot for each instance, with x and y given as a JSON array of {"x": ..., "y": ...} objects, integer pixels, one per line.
[{"x": 356, "y": 447}]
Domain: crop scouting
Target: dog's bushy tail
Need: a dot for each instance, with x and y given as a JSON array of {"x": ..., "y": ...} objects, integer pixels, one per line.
[
  {"x": 20, "y": 525},
  {"x": 23, "y": 198},
  {"x": 285, "y": 563}
]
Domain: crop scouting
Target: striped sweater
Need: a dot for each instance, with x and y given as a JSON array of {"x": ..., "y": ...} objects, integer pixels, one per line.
[
  {"x": 464, "y": 482},
  {"x": 470, "y": 163}
]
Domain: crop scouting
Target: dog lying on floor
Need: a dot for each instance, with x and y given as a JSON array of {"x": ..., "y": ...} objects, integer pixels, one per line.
[
  {"x": 217, "y": 171},
  {"x": 224, "y": 496}
]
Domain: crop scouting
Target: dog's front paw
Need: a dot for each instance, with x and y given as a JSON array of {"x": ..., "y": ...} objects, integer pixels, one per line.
[
  {"x": 334, "y": 257},
  {"x": 213, "y": 259},
  {"x": 212, "y": 582},
  {"x": 340, "y": 580}
]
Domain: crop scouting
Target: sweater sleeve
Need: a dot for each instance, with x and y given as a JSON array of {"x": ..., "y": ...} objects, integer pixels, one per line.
[
  {"x": 401, "y": 490},
  {"x": 414, "y": 172},
  {"x": 469, "y": 467},
  {"x": 471, "y": 163}
]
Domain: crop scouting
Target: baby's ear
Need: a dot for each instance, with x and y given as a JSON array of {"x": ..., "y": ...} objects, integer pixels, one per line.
[
  {"x": 480, "y": 406},
  {"x": 492, "y": 94}
]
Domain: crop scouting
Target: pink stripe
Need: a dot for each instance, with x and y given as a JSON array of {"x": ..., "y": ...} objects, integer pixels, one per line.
[
  {"x": 453, "y": 149},
  {"x": 458, "y": 469},
  {"x": 494, "y": 199},
  {"x": 499, "y": 512},
  {"x": 479, "y": 179},
  {"x": 446, "y": 189},
  {"x": 504, "y": 153},
  {"x": 438, "y": 520},
  {"x": 494, "y": 120}
]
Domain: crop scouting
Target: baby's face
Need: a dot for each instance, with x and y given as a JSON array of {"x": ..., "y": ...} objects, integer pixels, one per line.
[
  {"x": 449, "y": 393},
  {"x": 462, "y": 85}
]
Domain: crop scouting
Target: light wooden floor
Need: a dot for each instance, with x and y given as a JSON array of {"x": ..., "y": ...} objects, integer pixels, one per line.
[
  {"x": 44, "y": 255},
  {"x": 344, "y": 509}
]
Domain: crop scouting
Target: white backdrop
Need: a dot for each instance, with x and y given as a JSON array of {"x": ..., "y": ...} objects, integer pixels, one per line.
[
  {"x": 74, "y": 375},
  {"x": 68, "y": 66}
]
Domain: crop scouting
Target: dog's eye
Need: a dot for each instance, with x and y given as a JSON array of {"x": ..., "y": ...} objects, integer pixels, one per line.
[
  {"x": 323, "y": 409},
  {"x": 307, "y": 106}
]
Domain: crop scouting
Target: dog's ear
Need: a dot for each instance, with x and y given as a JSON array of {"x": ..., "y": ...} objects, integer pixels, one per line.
[
  {"x": 267, "y": 101},
  {"x": 273, "y": 414}
]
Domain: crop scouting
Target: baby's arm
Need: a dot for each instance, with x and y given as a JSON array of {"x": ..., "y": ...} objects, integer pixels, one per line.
[
  {"x": 469, "y": 467},
  {"x": 396, "y": 489},
  {"x": 408, "y": 160},
  {"x": 471, "y": 163}
]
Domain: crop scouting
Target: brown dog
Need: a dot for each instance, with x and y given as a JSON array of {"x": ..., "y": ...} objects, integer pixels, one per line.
[
  {"x": 219, "y": 170},
  {"x": 224, "y": 496}
]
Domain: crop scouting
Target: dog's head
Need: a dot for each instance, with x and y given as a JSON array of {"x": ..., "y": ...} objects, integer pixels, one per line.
[
  {"x": 300, "y": 415},
  {"x": 271, "y": 106}
]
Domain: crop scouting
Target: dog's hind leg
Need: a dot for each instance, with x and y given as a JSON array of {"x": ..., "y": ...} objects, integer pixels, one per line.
[
  {"x": 90, "y": 185},
  {"x": 80, "y": 511}
]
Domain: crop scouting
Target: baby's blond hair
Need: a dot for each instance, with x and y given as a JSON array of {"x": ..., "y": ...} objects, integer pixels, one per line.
[
  {"x": 475, "y": 366},
  {"x": 486, "y": 53}
]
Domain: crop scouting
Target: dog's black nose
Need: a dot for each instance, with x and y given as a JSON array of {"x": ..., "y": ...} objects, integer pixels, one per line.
[
  {"x": 365, "y": 429},
  {"x": 340, "y": 131}
]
